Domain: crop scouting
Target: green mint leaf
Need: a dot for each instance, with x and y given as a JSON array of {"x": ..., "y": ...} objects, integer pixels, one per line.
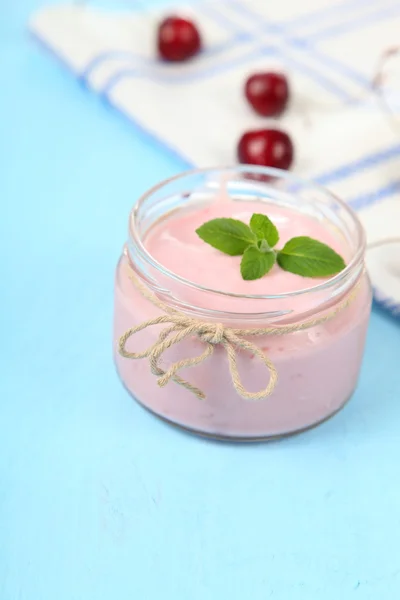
[
  {"x": 264, "y": 229},
  {"x": 228, "y": 235},
  {"x": 309, "y": 258},
  {"x": 255, "y": 263}
]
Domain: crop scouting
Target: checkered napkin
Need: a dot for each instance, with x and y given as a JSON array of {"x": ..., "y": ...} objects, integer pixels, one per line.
[{"x": 345, "y": 136}]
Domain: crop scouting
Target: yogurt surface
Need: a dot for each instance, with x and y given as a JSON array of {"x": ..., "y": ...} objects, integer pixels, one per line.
[{"x": 174, "y": 243}]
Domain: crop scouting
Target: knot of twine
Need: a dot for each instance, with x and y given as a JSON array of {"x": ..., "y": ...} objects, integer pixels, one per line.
[{"x": 180, "y": 326}]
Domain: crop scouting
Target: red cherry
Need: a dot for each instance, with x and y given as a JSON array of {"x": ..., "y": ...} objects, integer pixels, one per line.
[
  {"x": 268, "y": 93},
  {"x": 177, "y": 39},
  {"x": 267, "y": 148}
]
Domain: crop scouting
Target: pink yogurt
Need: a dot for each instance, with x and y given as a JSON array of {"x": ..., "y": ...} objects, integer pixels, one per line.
[{"x": 317, "y": 368}]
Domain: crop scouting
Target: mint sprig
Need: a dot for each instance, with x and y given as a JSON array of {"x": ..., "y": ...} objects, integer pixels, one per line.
[{"x": 301, "y": 255}]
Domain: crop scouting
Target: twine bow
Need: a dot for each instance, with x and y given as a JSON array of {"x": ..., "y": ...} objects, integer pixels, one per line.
[{"x": 181, "y": 327}]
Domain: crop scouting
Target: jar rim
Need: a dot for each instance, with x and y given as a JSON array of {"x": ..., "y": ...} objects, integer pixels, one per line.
[{"x": 268, "y": 172}]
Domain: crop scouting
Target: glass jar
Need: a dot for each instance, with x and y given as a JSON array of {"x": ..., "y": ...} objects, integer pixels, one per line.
[{"x": 315, "y": 347}]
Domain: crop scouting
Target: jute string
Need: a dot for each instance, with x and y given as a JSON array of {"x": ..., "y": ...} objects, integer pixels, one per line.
[{"x": 180, "y": 327}]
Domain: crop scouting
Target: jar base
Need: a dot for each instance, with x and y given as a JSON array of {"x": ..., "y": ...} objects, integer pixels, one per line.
[{"x": 233, "y": 438}]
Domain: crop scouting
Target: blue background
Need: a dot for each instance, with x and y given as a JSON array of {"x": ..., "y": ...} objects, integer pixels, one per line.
[{"x": 98, "y": 499}]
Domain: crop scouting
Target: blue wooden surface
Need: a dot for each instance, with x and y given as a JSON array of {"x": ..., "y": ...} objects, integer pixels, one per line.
[{"x": 99, "y": 500}]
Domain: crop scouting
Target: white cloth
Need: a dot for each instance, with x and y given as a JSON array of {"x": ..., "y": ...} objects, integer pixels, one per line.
[{"x": 330, "y": 50}]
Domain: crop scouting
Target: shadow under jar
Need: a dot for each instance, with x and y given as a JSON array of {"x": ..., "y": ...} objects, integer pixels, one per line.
[{"x": 166, "y": 268}]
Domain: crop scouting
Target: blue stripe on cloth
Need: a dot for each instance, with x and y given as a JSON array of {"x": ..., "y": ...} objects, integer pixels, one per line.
[
  {"x": 303, "y": 44},
  {"x": 122, "y": 74},
  {"x": 385, "y": 302},
  {"x": 99, "y": 59},
  {"x": 222, "y": 20},
  {"x": 144, "y": 61},
  {"x": 317, "y": 77},
  {"x": 321, "y": 13},
  {"x": 217, "y": 69},
  {"x": 340, "y": 67},
  {"x": 371, "y": 198},
  {"x": 356, "y": 23},
  {"x": 366, "y": 162}
]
